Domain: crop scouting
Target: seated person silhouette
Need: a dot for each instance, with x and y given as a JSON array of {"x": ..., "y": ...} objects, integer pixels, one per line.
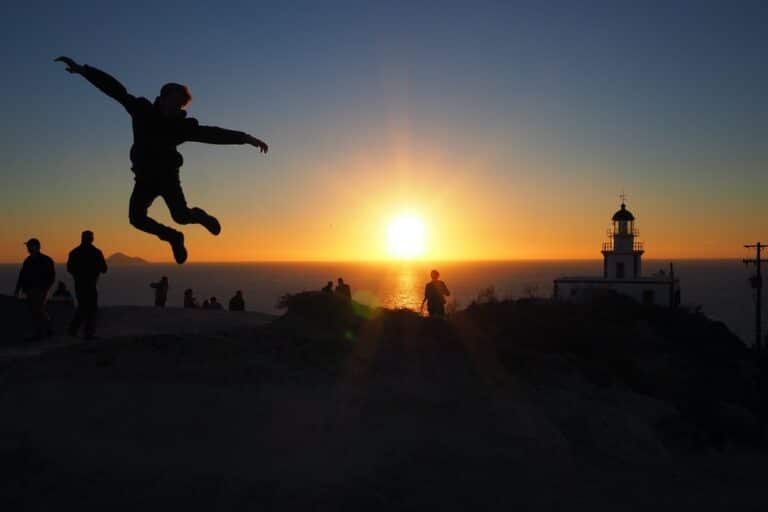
[
  {"x": 62, "y": 295},
  {"x": 190, "y": 302},
  {"x": 328, "y": 288},
  {"x": 237, "y": 303},
  {"x": 434, "y": 295},
  {"x": 214, "y": 304},
  {"x": 157, "y": 129}
]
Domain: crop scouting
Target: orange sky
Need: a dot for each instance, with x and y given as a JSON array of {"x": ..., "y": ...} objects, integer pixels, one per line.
[{"x": 341, "y": 212}]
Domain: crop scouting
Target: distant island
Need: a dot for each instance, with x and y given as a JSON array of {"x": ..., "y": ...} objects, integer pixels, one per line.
[{"x": 123, "y": 259}]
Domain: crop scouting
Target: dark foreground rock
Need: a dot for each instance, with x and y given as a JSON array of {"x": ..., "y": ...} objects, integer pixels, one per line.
[{"x": 337, "y": 407}]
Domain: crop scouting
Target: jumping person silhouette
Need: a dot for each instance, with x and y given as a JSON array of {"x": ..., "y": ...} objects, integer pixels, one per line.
[{"x": 157, "y": 129}]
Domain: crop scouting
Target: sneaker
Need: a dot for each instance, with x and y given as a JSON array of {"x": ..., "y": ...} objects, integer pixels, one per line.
[
  {"x": 177, "y": 244},
  {"x": 209, "y": 222}
]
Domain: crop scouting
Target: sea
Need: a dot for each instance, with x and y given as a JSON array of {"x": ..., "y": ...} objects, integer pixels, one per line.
[{"x": 720, "y": 288}]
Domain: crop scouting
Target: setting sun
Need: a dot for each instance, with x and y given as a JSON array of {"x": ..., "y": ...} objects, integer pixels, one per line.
[{"x": 406, "y": 237}]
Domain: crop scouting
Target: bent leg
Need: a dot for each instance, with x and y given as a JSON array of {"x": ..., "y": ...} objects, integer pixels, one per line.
[
  {"x": 141, "y": 198},
  {"x": 173, "y": 195}
]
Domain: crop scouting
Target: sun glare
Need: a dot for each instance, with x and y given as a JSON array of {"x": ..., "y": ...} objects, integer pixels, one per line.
[{"x": 406, "y": 237}]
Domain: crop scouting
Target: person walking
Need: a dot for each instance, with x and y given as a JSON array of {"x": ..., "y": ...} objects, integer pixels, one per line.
[
  {"x": 435, "y": 293},
  {"x": 36, "y": 278},
  {"x": 161, "y": 291},
  {"x": 85, "y": 263}
]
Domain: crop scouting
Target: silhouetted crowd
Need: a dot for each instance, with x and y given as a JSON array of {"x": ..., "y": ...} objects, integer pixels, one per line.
[
  {"x": 236, "y": 303},
  {"x": 86, "y": 263}
]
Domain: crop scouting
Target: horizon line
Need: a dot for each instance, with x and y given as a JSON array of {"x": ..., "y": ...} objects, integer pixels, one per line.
[{"x": 500, "y": 260}]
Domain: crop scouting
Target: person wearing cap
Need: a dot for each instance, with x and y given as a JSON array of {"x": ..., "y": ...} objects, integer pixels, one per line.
[
  {"x": 85, "y": 263},
  {"x": 435, "y": 293},
  {"x": 36, "y": 278}
]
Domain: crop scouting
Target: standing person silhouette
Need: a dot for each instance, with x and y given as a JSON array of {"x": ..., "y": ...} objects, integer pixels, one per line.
[
  {"x": 157, "y": 129},
  {"x": 435, "y": 293},
  {"x": 35, "y": 280},
  {"x": 161, "y": 291},
  {"x": 85, "y": 263}
]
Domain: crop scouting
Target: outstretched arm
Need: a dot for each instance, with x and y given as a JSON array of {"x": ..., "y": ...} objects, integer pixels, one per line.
[
  {"x": 216, "y": 135},
  {"x": 103, "y": 81}
]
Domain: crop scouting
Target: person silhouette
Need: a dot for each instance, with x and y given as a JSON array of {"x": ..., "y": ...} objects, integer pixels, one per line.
[
  {"x": 62, "y": 295},
  {"x": 85, "y": 263},
  {"x": 343, "y": 290},
  {"x": 190, "y": 302},
  {"x": 434, "y": 295},
  {"x": 157, "y": 129},
  {"x": 161, "y": 291},
  {"x": 328, "y": 288},
  {"x": 36, "y": 277},
  {"x": 214, "y": 304},
  {"x": 237, "y": 303}
]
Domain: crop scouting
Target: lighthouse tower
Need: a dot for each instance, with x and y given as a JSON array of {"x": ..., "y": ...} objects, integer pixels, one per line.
[{"x": 622, "y": 254}]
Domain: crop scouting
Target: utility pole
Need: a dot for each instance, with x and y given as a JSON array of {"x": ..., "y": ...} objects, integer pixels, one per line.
[{"x": 757, "y": 283}]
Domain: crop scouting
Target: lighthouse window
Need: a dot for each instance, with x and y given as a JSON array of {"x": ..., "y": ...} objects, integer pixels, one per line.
[{"x": 620, "y": 270}]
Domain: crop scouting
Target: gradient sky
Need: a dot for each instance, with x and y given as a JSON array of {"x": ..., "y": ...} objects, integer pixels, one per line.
[{"x": 510, "y": 128}]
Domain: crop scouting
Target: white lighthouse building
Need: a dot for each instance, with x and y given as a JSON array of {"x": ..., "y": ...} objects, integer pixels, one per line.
[{"x": 622, "y": 270}]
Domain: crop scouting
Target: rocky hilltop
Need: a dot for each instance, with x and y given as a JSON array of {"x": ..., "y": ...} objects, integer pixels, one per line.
[{"x": 527, "y": 405}]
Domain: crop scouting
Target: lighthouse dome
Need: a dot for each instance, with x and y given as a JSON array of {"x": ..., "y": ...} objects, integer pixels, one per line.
[{"x": 623, "y": 214}]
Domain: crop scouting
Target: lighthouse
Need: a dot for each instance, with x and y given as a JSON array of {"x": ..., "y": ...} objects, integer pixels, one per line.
[
  {"x": 622, "y": 270},
  {"x": 622, "y": 253}
]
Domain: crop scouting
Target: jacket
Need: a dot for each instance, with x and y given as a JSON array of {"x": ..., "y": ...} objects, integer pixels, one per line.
[
  {"x": 155, "y": 135},
  {"x": 37, "y": 273}
]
